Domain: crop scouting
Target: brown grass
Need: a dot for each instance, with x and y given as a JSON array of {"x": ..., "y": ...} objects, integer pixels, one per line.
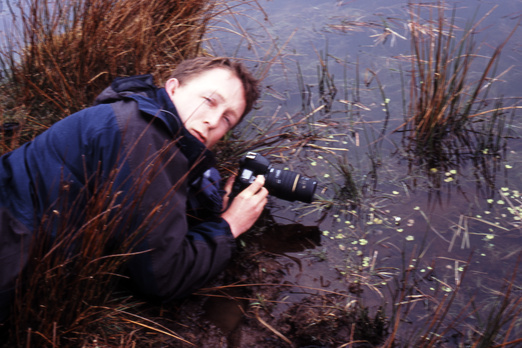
[
  {"x": 70, "y": 50},
  {"x": 66, "y": 294},
  {"x": 65, "y": 54},
  {"x": 444, "y": 99}
]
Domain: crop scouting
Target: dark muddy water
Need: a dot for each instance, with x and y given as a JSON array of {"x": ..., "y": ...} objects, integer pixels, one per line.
[
  {"x": 334, "y": 68},
  {"x": 431, "y": 224}
]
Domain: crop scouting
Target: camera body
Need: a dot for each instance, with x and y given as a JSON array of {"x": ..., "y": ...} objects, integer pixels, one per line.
[{"x": 284, "y": 184}]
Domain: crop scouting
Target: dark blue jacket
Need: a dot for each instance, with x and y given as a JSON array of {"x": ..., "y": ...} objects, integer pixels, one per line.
[{"x": 133, "y": 145}]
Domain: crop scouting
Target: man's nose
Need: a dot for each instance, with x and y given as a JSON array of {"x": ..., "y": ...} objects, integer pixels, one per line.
[{"x": 212, "y": 119}]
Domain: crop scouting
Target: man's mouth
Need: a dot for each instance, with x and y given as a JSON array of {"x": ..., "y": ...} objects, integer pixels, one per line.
[{"x": 199, "y": 136}]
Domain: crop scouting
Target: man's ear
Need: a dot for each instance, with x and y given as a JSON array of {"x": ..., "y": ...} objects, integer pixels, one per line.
[{"x": 171, "y": 85}]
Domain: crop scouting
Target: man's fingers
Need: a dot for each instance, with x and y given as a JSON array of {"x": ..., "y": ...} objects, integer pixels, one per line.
[
  {"x": 246, "y": 208},
  {"x": 229, "y": 184},
  {"x": 256, "y": 185}
]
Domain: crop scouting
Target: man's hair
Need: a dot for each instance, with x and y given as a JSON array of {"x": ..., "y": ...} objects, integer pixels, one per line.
[{"x": 191, "y": 68}]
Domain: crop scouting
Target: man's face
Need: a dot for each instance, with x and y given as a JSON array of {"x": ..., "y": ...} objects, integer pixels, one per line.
[{"x": 209, "y": 104}]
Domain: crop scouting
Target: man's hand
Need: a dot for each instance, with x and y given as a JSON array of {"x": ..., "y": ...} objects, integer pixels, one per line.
[{"x": 246, "y": 207}]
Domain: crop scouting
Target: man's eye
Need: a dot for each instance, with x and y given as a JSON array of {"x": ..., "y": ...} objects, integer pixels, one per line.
[
  {"x": 209, "y": 100},
  {"x": 227, "y": 119}
]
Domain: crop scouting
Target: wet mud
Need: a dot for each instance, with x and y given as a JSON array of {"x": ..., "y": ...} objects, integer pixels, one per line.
[{"x": 253, "y": 303}]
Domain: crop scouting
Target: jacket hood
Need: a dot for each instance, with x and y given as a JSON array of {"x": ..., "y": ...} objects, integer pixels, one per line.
[{"x": 156, "y": 103}]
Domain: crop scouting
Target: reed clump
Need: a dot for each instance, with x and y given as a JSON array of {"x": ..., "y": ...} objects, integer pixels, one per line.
[
  {"x": 74, "y": 287},
  {"x": 64, "y": 54},
  {"x": 67, "y": 51},
  {"x": 445, "y": 101},
  {"x": 67, "y": 284}
]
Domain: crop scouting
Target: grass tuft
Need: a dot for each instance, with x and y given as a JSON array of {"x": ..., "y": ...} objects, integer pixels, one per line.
[
  {"x": 68, "y": 51},
  {"x": 444, "y": 99}
]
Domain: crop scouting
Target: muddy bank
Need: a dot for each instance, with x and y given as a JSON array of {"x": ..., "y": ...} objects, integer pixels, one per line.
[{"x": 253, "y": 303}]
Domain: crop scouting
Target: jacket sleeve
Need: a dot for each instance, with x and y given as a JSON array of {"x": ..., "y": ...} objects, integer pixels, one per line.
[
  {"x": 174, "y": 259},
  {"x": 182, "y": 264},
  {"x": 177, "y": 259}
]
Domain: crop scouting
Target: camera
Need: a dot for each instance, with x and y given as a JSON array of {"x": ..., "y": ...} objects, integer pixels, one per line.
[{"x": 284, "y": 184}]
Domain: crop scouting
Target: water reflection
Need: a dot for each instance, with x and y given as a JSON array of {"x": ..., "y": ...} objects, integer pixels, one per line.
[{"x": 388, "y": 212}]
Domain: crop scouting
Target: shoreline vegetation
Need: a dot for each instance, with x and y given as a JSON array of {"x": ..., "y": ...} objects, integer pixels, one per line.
[{"x": 64, "y": 53}]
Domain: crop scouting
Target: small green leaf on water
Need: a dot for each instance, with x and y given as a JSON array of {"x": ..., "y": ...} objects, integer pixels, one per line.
[
  {"x": 410, "y": 238},
  {"x": 434, "y": 170},
  {"x": 363, "y": 241},
  {"x": 508, "y": 166},
  {"x": 490, "y": 236},
  {"x": 500, "y": 201},
  {"x": 490, "y": 201}
]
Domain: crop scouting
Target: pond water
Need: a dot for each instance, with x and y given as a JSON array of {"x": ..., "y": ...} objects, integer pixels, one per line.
[
  {"x": 344, "y": 67},
  {"x": 388, "y": 228}
]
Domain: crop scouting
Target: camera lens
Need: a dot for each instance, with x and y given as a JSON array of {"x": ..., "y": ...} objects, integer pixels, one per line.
[{"x": 290, "y": 186}]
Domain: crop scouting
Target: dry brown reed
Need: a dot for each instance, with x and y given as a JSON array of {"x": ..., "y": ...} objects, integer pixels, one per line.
[
  {"x": 70, "y": 50},
  {"x": 66, "y": 52},
  {"x": 67, "y": 293},
  {"x": 443, "y": 98}
]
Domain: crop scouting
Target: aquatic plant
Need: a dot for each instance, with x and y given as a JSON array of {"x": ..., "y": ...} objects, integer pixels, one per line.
[
  {"x": 444, "y": 102},
  {"x": 443, "y": 325}
]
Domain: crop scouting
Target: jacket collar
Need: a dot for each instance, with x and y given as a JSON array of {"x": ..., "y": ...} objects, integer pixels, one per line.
[
  {"x": 156, "y": 102},
  {"x": 161, "y": 107}
]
